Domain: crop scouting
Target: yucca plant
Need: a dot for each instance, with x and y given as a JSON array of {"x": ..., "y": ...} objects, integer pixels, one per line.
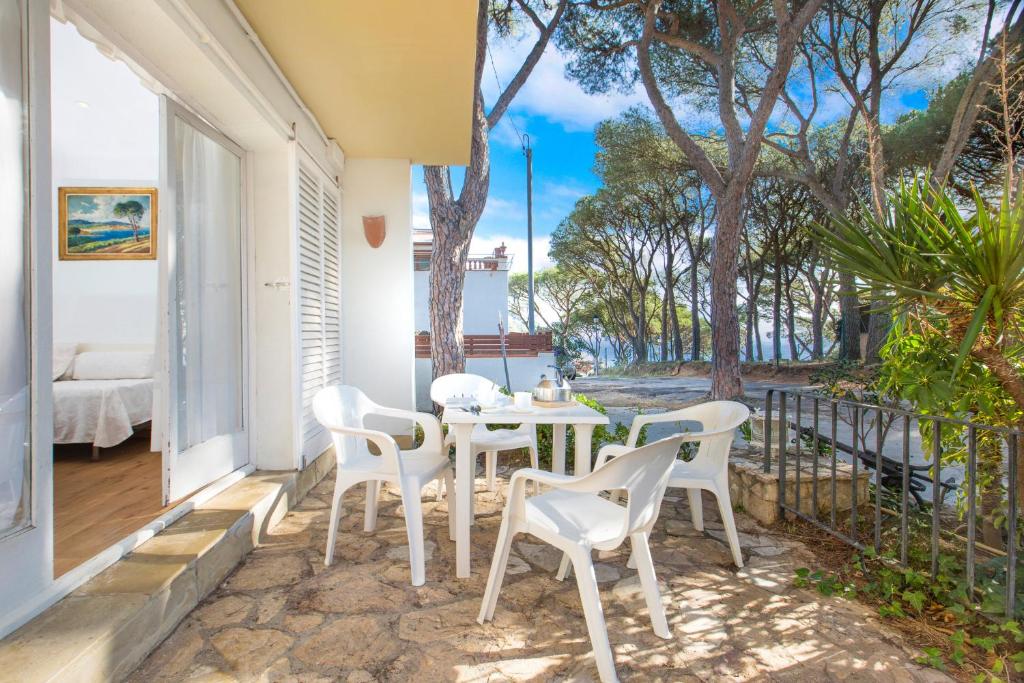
[
  {"x": 927, "y": 257},
  {"x": 955, "y": 276}
]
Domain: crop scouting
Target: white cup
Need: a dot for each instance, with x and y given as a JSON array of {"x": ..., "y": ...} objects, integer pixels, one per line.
[{"x": 523, "y": 400}]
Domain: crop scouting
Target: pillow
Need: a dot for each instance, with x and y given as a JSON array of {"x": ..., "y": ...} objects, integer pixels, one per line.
[
  {"x": 113, "y": 365},
  {"x": 63, "y": 354}
]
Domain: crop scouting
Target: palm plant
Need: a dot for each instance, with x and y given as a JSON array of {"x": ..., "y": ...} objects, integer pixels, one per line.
[
  {"x": 956, "y": 277},
  {"x": 926, "y": 257}
]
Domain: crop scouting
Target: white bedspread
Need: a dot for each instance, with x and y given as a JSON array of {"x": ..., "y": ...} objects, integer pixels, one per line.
[{"x": 100, "y": 411}]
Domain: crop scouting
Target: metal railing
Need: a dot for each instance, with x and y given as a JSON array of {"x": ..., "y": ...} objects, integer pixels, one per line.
[{"x": 892, "y": 476}]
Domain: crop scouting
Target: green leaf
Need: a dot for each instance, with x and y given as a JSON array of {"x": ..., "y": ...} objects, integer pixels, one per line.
[{"x": 974, "y": 329}]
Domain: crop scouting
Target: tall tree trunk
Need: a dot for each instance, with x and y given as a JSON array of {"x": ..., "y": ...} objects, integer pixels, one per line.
[
  {"x": 726, "y": 382},
  {"x": 794, "y": 352},
  {"x": 817, "y": 325},
  {"x": 777, "y": 311},
  {"x": 677, "y": 335},
  {"x": 750, "y": 329},
  {"x": 694, "y": 314},
  {"x": 452, "y": 219},
  {"x": 757, "y": 338},
  {"x": 879, "y": 323},
  {"x": 664, "y": 327},
  {"x": 849, "y": 311},
  {"x": 447, "y": 273}
]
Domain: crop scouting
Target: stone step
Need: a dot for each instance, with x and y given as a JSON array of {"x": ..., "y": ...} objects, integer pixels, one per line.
[{"x": 105, "y": 628}]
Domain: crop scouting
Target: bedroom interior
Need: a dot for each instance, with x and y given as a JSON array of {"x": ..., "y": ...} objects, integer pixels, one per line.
[{"x": 107, "y": 478}]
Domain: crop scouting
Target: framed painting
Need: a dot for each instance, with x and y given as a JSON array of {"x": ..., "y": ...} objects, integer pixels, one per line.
[{"x": 107, "y": 223}]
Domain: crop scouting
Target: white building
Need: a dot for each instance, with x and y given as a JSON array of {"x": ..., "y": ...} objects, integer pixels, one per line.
[
  {"x": 484, "y": 293},
  {"x": 484, "y": 303},
  {"x": 270, "y": 134}
]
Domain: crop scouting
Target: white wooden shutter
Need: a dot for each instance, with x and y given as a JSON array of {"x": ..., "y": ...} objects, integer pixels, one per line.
[{"x": 319, "y": 297}]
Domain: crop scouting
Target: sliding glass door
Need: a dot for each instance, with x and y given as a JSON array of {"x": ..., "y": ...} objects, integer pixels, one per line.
[{"x": 204, "y": 290}]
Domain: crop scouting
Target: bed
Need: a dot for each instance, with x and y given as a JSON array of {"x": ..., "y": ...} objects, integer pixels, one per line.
[{"x": 101, "y": 396}]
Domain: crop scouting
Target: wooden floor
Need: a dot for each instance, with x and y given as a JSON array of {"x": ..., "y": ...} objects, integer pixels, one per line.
[{"x": 97, "y": 504}]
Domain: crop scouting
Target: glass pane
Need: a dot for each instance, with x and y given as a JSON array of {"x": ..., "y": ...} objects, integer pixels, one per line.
[
  {"x": 14, "y": 333},
  {"x": 209, "y": 287}
]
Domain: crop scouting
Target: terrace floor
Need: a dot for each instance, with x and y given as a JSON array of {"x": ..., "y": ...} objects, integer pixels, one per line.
[{"x": 284, "y": 616}]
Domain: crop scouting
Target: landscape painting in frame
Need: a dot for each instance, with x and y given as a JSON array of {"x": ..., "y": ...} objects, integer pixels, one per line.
[{"x": 107, "y": 223}]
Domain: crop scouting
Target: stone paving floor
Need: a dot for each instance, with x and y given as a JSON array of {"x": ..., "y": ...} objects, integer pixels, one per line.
[{"x": 283, "y": 616}]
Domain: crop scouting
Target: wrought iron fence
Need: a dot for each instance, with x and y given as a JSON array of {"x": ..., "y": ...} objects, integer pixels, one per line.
[{"x": 812, "y": 433}]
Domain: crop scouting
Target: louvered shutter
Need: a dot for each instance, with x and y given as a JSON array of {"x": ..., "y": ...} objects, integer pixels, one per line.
[{"x": 319, "y": 297}]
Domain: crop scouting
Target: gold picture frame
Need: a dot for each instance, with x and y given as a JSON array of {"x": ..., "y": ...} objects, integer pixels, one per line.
[{"x": 107, "y": 223}]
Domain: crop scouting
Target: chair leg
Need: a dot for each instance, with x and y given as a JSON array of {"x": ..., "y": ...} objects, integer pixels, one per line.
[
  {"x": 535, "y": 464},
  {"x": 491, "y": 464},
  {"x": 449, "y": 484},
  {"x": 586, "y": 580},
  {"x": 440, "y": 490},
  {"x": 372, "y": 491},
  {"x": 414, "y": 529},
  {"x": 696, "y": 508},
  {"x": 341, "y": 484},
  {"x": 649, "y": 581},
  {"x": 728, "y": 522},
  {"x": 564, "y": 567},
  {"x": 497, "y": 572}
]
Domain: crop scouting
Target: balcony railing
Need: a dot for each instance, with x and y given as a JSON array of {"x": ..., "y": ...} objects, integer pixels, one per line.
[
  {"x": 421, "y": 261},
  {"x": 517, "y": 345}
]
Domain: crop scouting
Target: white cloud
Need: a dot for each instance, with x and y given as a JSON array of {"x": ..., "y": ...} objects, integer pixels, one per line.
[
  {"x": 485, "y": 244},
  {"x": 549, "y": 93}
]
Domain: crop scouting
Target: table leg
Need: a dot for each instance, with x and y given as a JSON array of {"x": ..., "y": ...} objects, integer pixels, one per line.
[
  {"x": 558, "y": 448},
  {"x": 583, "y": 434},
  {"x": 464, "y": 476}
]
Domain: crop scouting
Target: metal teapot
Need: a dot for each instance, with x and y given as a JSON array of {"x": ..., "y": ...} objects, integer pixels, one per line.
[{"x": 557, "y": 391}]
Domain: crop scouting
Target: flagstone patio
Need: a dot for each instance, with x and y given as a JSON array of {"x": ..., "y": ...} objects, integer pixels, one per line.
[{"x": 284, "y": 616}]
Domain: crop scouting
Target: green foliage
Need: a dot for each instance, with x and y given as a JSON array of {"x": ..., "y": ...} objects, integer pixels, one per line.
[
  {"x": 924, "y": 258},
  {"x": 976, "y": 642}
]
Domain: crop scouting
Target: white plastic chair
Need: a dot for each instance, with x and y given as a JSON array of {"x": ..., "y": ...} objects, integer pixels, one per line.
[
  {"x": 342, "y": 410},
  {"x": 484, "y": 440},
  {"x": 575, "y": 519},
  {"x": 709, "y": 469}
]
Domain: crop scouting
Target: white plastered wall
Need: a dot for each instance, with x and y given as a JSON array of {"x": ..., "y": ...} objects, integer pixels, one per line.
[
  {"x": 378, "y": 321},
  {"x": 484, "y": 298}
]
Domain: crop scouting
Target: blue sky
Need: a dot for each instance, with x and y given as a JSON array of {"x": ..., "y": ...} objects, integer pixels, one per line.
[{"x": 560, "y": 119}]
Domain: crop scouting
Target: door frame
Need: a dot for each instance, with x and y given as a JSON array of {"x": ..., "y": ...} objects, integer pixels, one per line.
[{"x": 168, "y": 337}]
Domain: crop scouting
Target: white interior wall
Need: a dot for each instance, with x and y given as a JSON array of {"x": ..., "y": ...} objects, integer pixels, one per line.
[
  {"x": 105, "y": 133},
  {"x": 378, "y": 320}
]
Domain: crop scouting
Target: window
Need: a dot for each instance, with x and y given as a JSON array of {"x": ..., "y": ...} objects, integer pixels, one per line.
[{"x": 15, "y": 433}]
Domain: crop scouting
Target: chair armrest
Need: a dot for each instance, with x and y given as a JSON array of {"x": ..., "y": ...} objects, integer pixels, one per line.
[
  {"x": 517, "y": 486},
  {"x": 384, "y": 441},
  {"x": 609, "y": 451},
  {"x": 432, "y": 436},
  {"x": 700, "y": 436}
]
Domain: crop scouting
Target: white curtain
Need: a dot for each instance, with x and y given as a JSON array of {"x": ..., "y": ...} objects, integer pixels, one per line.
[
  {"x": 209, "y": 288},
  {"x": 14, "y": 333}
]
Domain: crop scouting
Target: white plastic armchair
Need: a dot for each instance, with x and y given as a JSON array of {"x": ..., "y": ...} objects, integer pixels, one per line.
[
  {"x": 342, "y": 410},
  {"x": 575, "y": 519},
  {"x": 709, "y": 468},
  {"x": 484, "y": 440}
]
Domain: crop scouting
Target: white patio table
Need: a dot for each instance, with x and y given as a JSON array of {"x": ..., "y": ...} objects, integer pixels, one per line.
[{"x": 461, "y": 423}]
